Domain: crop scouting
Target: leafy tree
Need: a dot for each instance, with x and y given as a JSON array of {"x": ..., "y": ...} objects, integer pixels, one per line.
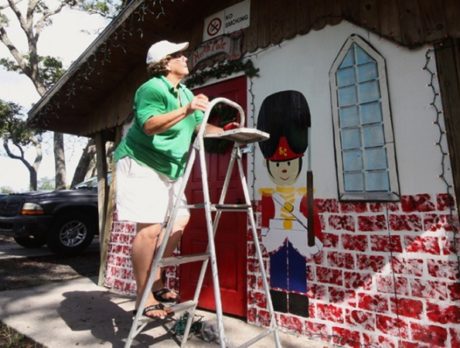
[
  {"x": 46, "y": 184},
  {"x": 44, "y": 71},
  {"x": 14, "y": 131}
]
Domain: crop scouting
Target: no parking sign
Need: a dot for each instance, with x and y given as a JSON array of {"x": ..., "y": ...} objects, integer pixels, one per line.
[{"x": 231, "y": 19}]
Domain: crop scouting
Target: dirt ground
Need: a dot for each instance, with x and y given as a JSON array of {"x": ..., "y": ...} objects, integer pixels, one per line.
[
  {"x": 26, "y": 272},
  {"x": 18, "y": 273}
]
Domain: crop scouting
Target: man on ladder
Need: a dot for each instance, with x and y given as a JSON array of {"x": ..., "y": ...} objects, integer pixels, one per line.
[
  {"x": 151, "y": 160},
  {"x": 153, "y": 167}
]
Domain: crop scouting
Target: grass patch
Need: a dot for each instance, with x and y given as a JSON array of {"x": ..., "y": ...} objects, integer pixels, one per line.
[{"x": 10, "y": 338}]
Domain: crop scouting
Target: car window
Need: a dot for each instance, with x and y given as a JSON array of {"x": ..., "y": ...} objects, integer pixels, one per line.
[
  {"x": 91, "y": 183},
  {"x": 88, "y": 184}
]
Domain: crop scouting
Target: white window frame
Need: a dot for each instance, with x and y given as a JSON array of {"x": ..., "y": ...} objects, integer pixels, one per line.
[{"x": 393, "y": 194}]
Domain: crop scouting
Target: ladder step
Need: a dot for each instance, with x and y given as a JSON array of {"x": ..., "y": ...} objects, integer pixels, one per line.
[
  {"x": 179, "y": 260},
  {"x": 232, "y": 207},
  {"x": 183, "y": 306},
  {"x": 216, "y": 207}
]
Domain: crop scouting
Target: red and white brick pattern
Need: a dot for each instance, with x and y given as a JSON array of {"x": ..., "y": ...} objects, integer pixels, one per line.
[
  {"x": 386, "y": 277},
  {"x": 119, "y": 274}
]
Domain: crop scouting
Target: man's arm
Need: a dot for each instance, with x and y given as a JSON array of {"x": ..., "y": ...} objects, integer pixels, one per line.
[{"x": 160, "y": 123}]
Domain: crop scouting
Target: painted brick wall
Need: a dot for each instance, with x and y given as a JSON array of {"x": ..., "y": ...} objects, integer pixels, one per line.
[
  {"x": 387, "y": 276},
  {"x": 119, "y": 275}
]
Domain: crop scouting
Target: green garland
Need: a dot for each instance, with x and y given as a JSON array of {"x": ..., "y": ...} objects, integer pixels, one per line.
[{"x": 222, "y": 70}]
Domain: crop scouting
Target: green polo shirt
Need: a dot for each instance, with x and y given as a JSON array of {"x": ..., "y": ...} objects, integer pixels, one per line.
[{"x": 165, "y": 152}]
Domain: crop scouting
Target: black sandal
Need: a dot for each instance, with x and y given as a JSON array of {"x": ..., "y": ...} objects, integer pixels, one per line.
[
  {"x": 159, "y": 296},
  {"x": 155, "y": 307}
]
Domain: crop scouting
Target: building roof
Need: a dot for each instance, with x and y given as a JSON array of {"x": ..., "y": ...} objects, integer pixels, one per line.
[{"x": 69, "y": 106}]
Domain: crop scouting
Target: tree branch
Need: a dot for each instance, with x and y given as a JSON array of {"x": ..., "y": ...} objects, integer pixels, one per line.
[
  {"x": 39, "y": 154},
  {"x": 10, "y": 154},
  {"x": 32, "y": 5},
  {"x": 18, "y": 14},
  {"x": 2, "y": 7},
  {"x": 41, "y": 23},
  {"x": 18, "y": 57},
  {"x": 30, "y": 13}
]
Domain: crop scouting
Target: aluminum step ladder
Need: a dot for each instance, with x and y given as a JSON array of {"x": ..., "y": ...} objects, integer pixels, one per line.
[{"x": 241, "y": 137}]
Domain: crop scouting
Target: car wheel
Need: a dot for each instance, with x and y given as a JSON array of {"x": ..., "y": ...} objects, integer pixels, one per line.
[
  {"x": 71, "y": 233},
  {"x": 30, "y": 242}
]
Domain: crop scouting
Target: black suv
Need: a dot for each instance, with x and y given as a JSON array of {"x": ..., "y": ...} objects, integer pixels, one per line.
[{"x": 65, "y": 220}]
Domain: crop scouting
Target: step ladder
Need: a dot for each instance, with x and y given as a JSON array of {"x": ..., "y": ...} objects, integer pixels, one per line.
[{"x": 241, "y": 137}]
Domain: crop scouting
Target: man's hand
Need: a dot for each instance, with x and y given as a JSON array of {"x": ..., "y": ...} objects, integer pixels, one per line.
[{"x": 199, "y": 102}]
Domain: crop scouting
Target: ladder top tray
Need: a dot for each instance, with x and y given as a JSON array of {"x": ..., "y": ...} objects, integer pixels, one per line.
[{"x": 241, "y": 135}]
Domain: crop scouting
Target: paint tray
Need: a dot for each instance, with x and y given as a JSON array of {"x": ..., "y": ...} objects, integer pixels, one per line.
[{"x": 241, "y": 135}]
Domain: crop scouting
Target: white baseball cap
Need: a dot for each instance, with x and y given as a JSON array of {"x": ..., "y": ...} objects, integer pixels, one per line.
[{"x": 161, "y": 49}]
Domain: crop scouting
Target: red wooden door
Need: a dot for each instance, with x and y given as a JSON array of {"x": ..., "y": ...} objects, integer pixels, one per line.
[{"x": 231, "y": 234}]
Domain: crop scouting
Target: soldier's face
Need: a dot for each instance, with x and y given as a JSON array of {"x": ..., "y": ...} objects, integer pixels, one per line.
[{"x": 284, "y": 173}]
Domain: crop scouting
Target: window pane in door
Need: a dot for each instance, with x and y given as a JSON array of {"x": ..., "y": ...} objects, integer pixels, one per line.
[
  {"x": 370, "y": 112},
  {"x": 349, "y": 116},
  {"x": 353, "y": 182},
  {"x": 352, "y": 160},
  {"x": 367, "y": 72},
  {"x": 345, "y": 77},
  {"x": 347, "y": 96},
  {"x": 377, "y": 181},
  {"x": 348, "y": 60},
  {"x": 361, "y": 56},
  {"x": 376, "y": 158},
  {"x": 351, "y": 138},
  {"x": 369, "y": 91},
  {"x": 373, "y": 136}
]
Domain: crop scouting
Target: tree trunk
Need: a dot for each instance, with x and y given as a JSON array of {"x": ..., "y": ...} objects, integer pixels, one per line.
[
  {"x": 59, "y": 161},
  {"x": 84, "y": 163},
  {"x": 33, "y": 183},
  {"x": 38, "y": 159}
]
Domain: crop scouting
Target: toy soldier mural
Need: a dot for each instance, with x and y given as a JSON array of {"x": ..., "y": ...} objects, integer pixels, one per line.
[{"x": 286, "y": 116}]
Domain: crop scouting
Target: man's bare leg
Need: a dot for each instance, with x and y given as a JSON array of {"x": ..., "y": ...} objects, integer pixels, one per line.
[
  {"x": 143, "y": 250},
  {"x": 174, "y": 239}
]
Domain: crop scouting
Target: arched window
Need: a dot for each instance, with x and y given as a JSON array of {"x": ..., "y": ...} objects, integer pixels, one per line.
[{"x": 363, "y": 132}]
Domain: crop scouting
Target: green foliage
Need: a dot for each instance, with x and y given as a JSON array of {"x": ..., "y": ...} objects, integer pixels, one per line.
[
  {"x": 106, "y": 8},
  {"x": 6, "y": 189},
  {"x": 50, "y": 68},
  {"x": 46, "y": 184},
  {"x": 10, "y": 65},
  {"x": 222, "y": 70},
  {"x": 12, "y": 126},
  {"x": 3, "y": 20}
]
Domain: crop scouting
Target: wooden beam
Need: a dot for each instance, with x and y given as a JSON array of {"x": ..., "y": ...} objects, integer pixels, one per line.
[
  {"x": 102, "y": 188},
  {"x": 110, "y": 205}
]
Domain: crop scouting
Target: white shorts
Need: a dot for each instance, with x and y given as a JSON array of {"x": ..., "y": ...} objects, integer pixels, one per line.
[{"x": 145, "y": 196}]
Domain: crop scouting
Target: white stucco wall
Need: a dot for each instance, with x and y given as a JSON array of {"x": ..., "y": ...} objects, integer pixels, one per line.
[{"x": 303, "y": 64}]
